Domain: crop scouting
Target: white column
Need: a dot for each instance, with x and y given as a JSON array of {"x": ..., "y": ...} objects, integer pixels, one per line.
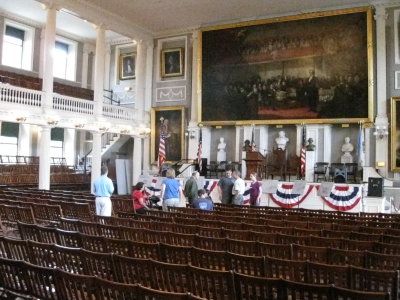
[
  {"x": 49, "y": 43},
  {"x": 206, "y": 136},
  {"x": 69, "y": 146},
  {"x": 149, "y": 76},
  {"x": 98, "y": 86},
  {"x": 193, "y": 143},
  {"x": 107, "y": 63},
  {"x": 146, "y": 156},
  {"x": 24, "y": 140},
  {"x": 140, "y": 77},
  {"x": 327, "y": 142},
  {"x": 44, "y": 158},
  {"x": 381, "y": 117},
  {"x": 96, "y": 156},
  {"x": 194, "y": 114},
  {"x": 238, "y": 144},
  {"x": 263, "y": 145},
  {"x": 137, "y": 159},
  {"x": 85, "y": 65}
]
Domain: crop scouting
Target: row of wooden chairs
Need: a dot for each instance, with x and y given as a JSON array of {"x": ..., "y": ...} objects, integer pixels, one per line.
[
  {"x": 212, "y": 284},
  {"x": 22, "y": 280},
  {"x": 105, "y": 241}
]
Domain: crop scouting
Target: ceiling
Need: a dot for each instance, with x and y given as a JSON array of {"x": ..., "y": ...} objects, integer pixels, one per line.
[{"x": 151, "y": 18}]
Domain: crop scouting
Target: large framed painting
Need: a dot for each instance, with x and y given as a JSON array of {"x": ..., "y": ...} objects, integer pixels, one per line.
[
  {"x": 395, "y": 134},
  {"x": 168, "y": 121},
  {"x": 311, "y": 68}
]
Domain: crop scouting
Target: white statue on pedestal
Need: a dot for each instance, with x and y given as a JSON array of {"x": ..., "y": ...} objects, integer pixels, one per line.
[
  {"x": 347, "y": 147},
  {"x": 281, "y": 140},
  {"x": 221, "y": 154}
]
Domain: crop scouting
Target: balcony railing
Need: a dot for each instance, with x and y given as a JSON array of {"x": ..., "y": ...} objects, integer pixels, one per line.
[{"x": 12, "y": 95}]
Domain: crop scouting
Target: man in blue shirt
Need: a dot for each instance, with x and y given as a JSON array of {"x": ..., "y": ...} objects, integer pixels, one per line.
[
  {"x": 204, "y": 201},
  {"x": 103, "y": 187}
]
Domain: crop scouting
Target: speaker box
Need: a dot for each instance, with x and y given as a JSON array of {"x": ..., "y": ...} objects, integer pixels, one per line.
[{"x": 375, "y": 187}]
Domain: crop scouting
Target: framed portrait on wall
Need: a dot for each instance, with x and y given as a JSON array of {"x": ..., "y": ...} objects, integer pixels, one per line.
[
  {"x": 172, "y": 62},
  {"x": 395, "y": 134},
  {"x": 310, "y": 68},
  {"x": 127, "y": 64},
  {"x": 168, "y": 122}
]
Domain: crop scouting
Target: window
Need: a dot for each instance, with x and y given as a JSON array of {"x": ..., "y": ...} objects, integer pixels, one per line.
[
  {"x": 57, "y": 142},
  {"x": 64, "y": 59},
  {"x": 17, "y": 45},
  {"x": 9, "y": 138}
]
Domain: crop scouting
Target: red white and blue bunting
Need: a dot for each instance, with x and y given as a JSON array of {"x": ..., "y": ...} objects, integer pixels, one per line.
[
  {"x": 343, "y": 198},
  {"x": 285, "y": 198}
]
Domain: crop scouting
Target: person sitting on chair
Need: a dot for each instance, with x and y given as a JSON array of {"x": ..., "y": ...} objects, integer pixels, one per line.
[
  {"x": 139, "y": 202},
  {"x": 203, "y": 201}
]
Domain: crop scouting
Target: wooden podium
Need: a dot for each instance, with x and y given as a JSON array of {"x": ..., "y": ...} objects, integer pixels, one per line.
[{"x": 254, "y": 161}]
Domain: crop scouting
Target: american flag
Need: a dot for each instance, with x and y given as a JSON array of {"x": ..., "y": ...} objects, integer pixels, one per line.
[
  {"x": 200, "y": 151},
  {"x": 303, "y": 152},
  {"x": 253, "y": 143},
  {"x": 161, "y": 151}
]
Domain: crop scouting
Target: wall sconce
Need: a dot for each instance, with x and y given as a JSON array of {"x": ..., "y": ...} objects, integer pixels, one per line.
[
  {"x": 103, "y": 128},
  {"x": 20, "y": 119},
  {"x": 191, "y": 134},
  {"x": 381, "y": 131},
  {"x": 144, "y": 131},
  {"x": 79, "y": 126},
  {"x": 52, "y": 122}
]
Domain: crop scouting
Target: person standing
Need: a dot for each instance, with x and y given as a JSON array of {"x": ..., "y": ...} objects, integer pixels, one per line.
[
  {"x": 311, "y": 90},
  {"x": 238, "y": 188},
  {"x": 139, "y": 203},
  {"x": 191, "y": 188},
  {"x": 170, "y": 190},
  {"x": 225, "y": 185},
  {"x": 203, "y": 201},
  {"x": 103, "y": 187},
  {"x": 255, "y": 190}
]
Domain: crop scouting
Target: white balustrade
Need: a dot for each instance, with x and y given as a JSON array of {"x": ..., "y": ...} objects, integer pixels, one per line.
[
  {"x": 118, "y": 112},
  {"x": 71, "y": 104},
  {"x": 18, "y": 95}
]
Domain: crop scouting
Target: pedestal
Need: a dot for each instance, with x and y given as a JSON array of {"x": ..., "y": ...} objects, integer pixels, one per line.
[{"x": 310, "y": 163}]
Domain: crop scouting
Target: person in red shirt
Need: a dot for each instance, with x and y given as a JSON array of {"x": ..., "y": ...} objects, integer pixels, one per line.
[{"x": 138, "y": 197}]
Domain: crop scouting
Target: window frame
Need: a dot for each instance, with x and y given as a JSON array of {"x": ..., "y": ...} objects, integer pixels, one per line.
[
  {"x": 72, "y": 58},
  {"x": 27, "y": 45}
]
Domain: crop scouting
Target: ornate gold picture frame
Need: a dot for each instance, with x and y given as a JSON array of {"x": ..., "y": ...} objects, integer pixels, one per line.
[
  {"x": 310, "y": 68},
  {"x": 395, "y": 134},
  {"x": 170, "y": 121},
  {"x": 127, "y": 64},
  {"x": 172, "y": 62}
]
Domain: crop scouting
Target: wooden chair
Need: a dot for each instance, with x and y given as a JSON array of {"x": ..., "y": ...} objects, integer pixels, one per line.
[
  {"x": 345, "y": 257},
  {"x": 310, "y": 253},
  {"x": 244, "y": 264},
  {"x": 94, "y": 243},
  {"x": 12, "y": 278},
  {"x": 386, "y": 248},
  {"x": 209, "y": 259},
  {"x": 111, "y": 290},
  {"x": 132, "y": 270},
  {"x": 249, "y": 287},
  {"x": 145, "y": 293},
  {"x": 241, "y": 247},
  {"x": 211, "y": 284},
  {"x": 286, "y": 269},
  {"x": 40, "y": 281},
  {"x": 16, "y": 249},
  {"x": 379, "y": 261},
  {"x": 374, "y": 281},
  {"x": 210, "y": 243},
  {"x": 274, "y": 250},
  {"x": 98, "y": 264},
  {"x": 304, "y": 291},
  {"x": 340, "y": 293},
  {"x": 318, "y": 273},
  {"x": 74, "y": 286},
  {"x": 69, "y": 238},
  {"x": 175, "y": 254},
  {"x": 145, "y": 250},
  {"x": 41, "y": 254},
  {"x": 320, "y": 171},
  {"x": 169, "y": 277}
]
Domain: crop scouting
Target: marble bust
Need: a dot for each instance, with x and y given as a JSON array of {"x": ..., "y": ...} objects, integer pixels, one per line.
[
  {"x": 347, "y": 148},
  {"x": 221, "y": 154},
  {"x": 281, "y": 140},
  {"x": 310, "y": 145}
]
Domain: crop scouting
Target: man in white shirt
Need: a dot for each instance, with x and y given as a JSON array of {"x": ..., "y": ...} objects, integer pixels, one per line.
[{"x": 238, "y": 188}]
